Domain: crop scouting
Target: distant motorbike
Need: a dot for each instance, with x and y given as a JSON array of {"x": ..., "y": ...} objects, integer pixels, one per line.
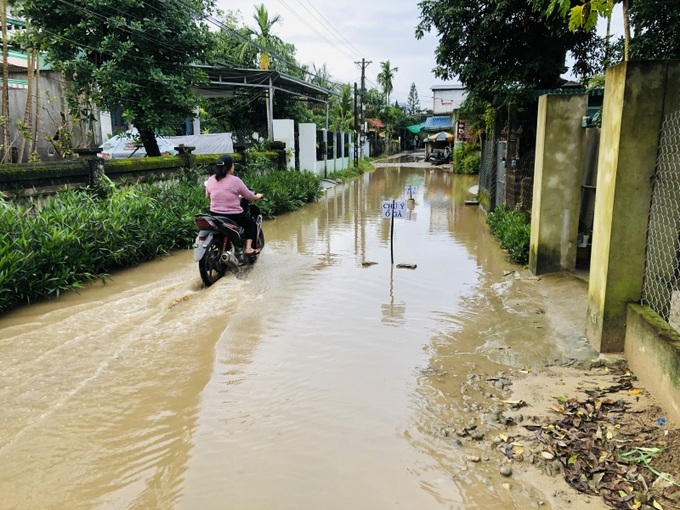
[
  {"x": 439, "y": 157},
  {"x": 220, "y": 244}
]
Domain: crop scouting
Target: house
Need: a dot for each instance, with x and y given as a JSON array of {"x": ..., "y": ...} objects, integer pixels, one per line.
[
  {"x": 446, "y": 102},
  {"x": 447, "y": 99}
]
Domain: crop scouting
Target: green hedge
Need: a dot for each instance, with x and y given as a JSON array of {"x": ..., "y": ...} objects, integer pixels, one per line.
[
  {"x": 76, "y": 236},
  {"x": 466, "y": 160},
  {"x": 513, "y": 231}
]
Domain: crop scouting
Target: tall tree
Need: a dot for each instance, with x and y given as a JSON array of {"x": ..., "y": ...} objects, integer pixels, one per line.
[
  {"x": 137, "y": 55},
  {"x": 498, "y": 49},
  {"x": 413, "y": 103},
  {"x": 656, "y": 24},
  {"x": 341, "y": 114},
  {"x": 385, "y": 77},
  {"x": 657, "y": 29},
  {"x": 262, "y": 37},
  {"x": 586, "y": 15},
  {"x": 4, "y": 113}
]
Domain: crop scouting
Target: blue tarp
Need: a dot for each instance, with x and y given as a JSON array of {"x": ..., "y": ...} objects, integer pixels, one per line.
[{"x": 438, "y": 123}]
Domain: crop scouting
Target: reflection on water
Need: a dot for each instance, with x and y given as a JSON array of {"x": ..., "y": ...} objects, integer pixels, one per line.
[{"x": 320, "y": 378}]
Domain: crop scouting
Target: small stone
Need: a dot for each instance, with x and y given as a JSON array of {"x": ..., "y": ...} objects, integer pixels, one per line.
[
  {"x": 506, "y": 471},
  {"x": 473, "y": 458}
]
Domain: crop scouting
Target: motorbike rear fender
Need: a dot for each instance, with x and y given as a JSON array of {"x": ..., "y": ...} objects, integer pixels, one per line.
[{"x": 203, "y": 239}]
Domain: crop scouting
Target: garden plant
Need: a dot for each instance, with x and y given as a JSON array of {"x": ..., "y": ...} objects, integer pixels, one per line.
[{"x": 76, "y": 236}]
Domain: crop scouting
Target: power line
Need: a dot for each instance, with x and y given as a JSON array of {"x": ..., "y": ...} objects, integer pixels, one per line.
[{"x": 304, "y": 21}]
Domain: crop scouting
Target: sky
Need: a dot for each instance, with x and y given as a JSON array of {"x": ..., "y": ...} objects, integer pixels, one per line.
[{"x": 340, "y": 33}]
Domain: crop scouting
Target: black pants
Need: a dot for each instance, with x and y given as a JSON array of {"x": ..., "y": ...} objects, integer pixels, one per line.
[{"x": 245, "y": 220}]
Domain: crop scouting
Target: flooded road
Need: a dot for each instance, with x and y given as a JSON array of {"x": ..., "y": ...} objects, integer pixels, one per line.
[{"x": 323, "y": 377}]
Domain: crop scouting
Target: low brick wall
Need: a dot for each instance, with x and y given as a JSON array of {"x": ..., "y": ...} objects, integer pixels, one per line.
[{"x": 652, "y": 349}]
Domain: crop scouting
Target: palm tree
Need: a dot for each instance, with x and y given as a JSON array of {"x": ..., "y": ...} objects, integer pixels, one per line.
[
  {"x": 385, "y": 77},
  {"x": 262, "y": 37}
]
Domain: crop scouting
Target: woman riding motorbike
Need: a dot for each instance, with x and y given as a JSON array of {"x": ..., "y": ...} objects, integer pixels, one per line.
[{"x": 225, "y": 190}]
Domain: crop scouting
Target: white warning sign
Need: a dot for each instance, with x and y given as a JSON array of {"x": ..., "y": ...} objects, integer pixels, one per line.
[{"x": 394, "y": 208}]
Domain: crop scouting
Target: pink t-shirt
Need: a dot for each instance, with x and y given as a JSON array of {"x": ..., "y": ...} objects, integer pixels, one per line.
[{"x": 225, "y": 194}]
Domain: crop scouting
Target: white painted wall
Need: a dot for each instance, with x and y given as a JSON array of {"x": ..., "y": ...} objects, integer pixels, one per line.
[
  {"x": 307, "y": 141},
  {"x": 447, "y": 99},
  {"x": 284, "y": 131}
]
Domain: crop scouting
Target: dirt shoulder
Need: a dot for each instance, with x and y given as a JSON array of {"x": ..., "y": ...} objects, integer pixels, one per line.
[{"x": 588, "y": 434}]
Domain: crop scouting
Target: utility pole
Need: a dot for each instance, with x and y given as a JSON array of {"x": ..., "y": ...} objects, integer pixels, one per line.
[
  {"x": 356, "y": 129},
  {"x": 363, "y": 64}
]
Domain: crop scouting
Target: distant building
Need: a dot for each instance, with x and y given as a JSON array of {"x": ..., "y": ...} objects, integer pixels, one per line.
[{"x": 446, "y": 99}]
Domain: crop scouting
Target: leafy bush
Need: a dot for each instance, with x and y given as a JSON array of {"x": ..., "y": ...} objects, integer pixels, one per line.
[
  {"x": 472, "y": 162},
  {"x": 76, "y": 236},
  {"x": 513, "y": 231},
  {"x": 466, "y": 160}
]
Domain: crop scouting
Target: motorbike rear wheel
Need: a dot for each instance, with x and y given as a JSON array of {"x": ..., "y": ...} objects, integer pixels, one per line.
[
  {"x": 210, "y": 266},
  {"x": 260, "y": 241}
]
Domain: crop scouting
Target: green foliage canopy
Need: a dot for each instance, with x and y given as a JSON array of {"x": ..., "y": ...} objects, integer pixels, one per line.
[
  {"x": 498, "y": 48},
  {"x": 126, "y": 53}
]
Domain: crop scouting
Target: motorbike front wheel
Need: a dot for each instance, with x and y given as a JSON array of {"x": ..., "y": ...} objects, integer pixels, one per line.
[{"x": 210, "y": 266}]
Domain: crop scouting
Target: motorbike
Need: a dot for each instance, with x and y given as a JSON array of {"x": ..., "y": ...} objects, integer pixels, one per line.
[
  {"x": 439, "y": 158},
  {"x": 220, "y": 244}
]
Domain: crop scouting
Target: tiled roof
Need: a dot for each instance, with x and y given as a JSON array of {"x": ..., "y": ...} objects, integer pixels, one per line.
[
  {"x": 375, "y": 123},
  {"x": 438, "y": 123}
]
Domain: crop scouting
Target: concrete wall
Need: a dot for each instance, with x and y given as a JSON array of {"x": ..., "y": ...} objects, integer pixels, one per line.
[
  {"x": 447, "y": 99},
  {"x": 307, "y": 141},
  {"x": 652, "y": 349},
  {"x": 637, "y": 97},
  {"x": 557, "y": 182},
  {"x": 284, "y": 131},
  {"x": 51, "y": 104}
]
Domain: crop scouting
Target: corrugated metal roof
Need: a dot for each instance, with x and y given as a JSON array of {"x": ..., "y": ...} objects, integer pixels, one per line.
[
  {"x": 213, "y": 143},
  {"x": 438, "y": 123}
]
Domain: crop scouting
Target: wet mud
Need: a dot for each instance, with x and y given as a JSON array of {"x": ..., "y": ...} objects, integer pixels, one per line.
[{"x": 359, "y": 364}]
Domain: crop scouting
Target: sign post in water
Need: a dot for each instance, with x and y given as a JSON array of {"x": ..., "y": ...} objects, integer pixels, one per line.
[{"x": 393, "y": 209}]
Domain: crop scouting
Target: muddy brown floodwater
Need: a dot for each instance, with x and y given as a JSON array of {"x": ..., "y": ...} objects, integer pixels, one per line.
[{"x": 323, "y": 377}]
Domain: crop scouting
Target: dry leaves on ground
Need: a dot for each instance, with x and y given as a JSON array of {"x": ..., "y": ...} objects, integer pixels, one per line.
[{"x": 607, "y": 442}]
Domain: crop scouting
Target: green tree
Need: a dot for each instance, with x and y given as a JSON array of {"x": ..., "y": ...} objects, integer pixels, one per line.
[
  {"x": 124, "y": 53},
  {"x": 262, "y": 37},
  {"x": 657, "y": 29},
  {"x": 498, "y": 49},
  {"x": 374, "y": 101},
  {"x": 656, "y": 24},
  {"x": 385, "y": 77},
  {"x": 341, "y": 114},
  {"x": 413, "y": 103},
  {"x": 586, "y": 15},
  {"x": 4, "y": 113}
]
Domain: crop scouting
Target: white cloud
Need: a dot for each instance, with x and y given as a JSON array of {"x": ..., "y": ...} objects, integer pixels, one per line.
[{"x": 341, "y": 33}]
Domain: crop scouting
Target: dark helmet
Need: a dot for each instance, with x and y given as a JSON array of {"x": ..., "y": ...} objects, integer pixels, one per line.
[{"x": 225, "y": 159}]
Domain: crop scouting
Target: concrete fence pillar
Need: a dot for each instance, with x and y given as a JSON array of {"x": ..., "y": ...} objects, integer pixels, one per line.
[
  {"x": 557, "y": 182},
  {"x": 637, "y": 97}
]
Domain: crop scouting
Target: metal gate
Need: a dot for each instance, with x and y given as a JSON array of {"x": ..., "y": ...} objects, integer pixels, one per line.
[{"x": 501, "y": 169}]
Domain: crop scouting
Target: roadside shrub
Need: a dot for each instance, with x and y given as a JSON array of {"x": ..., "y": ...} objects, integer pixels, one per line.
[
  {"x": 466, "y": 160},
  {"x": 472, "y": 162},
  {"x": 513, "y": 231},
  {"x": 76, "y": 236}
]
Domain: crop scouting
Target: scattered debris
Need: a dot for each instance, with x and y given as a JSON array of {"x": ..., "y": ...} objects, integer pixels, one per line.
[{"x": 407, "y": 266}]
